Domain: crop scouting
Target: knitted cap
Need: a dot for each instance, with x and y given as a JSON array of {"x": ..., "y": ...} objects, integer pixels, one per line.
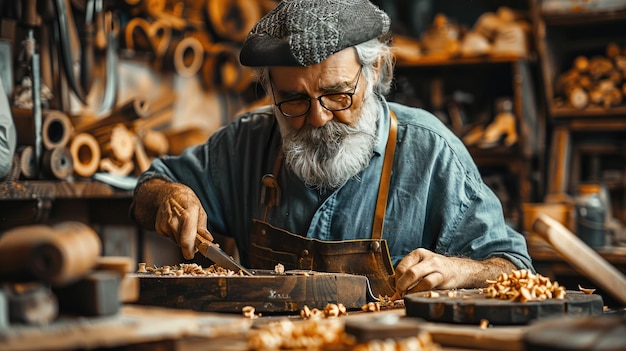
[{"x": 306, "y": 32}]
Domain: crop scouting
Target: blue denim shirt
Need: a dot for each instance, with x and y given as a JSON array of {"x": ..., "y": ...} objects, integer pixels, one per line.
[{"x": 437, "y": 199}]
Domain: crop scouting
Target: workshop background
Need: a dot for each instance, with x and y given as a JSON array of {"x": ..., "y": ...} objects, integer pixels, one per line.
[{"x": 98, "y": 88}]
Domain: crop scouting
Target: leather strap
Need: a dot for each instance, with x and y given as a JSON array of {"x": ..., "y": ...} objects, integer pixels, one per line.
[
  {"x": 270, "y": 182},
  {"x": 385, "y": 179}
]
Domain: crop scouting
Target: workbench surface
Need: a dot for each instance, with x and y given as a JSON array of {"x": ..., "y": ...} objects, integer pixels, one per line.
[{"x": 173, "y": 329}]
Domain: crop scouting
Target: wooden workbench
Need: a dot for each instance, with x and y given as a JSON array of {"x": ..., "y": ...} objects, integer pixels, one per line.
[
  {"x": 137, "y": 328},
  {"x": 132, "y": 327}
]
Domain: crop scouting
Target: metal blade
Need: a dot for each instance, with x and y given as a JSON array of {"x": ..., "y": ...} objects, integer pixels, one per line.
[{"x": 218, "y": 256}]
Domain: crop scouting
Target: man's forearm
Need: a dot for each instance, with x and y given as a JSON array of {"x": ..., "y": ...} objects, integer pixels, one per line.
[{"x": 479, "y": 271}]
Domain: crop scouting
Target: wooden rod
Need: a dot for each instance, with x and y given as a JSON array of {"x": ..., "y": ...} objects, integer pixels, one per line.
[
  {"x": 85, "y": 153},
  {"x": 582, "y": 257}
]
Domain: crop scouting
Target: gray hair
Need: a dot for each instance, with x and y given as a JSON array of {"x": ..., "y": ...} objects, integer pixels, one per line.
[{"x": 372, "y": 54}]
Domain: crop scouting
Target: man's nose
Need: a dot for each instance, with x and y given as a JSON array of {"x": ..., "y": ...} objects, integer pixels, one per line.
[{"x": 318, "y": 115}]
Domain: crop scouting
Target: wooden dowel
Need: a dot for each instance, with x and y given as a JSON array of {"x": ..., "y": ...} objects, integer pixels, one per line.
[
  {"x": 582, "y": 257},
  {"x": 57, "y": 254},
  {"x": 57, "y": 163},
  {"x": 125, "y": 113},
  {"x": 57, "y": 129},
  {"x": 27, "y": 164},
  {"x": 85, "y": 153}
]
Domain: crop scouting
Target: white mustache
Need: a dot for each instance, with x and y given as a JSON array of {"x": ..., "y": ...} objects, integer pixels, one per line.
[{"x": 326, "y": 157}]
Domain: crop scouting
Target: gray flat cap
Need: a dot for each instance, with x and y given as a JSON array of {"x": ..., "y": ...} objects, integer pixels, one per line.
[{"x": 306, "y": 32}]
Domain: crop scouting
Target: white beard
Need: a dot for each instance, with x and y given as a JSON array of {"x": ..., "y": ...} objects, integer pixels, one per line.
[{"x": 328, "y": 156}]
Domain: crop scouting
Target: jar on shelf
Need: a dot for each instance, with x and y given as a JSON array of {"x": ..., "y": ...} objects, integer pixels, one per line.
[{"x": 591, "y": 212}]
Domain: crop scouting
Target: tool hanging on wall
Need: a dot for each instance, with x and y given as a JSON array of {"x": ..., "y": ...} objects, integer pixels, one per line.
[
  {"x": 31, "y": 61},
  {"x": 70, "y": 46},
  {"x": 108, "y": 28}
]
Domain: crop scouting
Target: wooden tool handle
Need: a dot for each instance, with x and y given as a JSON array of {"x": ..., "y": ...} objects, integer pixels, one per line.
[{"x": 582, "y": 257}]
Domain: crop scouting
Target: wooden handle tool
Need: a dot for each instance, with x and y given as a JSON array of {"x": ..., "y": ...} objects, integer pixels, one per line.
[
  {"x": 582, "y": 257},
  {"x": 213, "y": 252}
]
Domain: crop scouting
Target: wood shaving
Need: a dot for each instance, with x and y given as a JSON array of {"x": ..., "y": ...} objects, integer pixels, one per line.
[
  {"x": 279, "y": 269},
  {"x": 248, "y": 312},
  {"x": 421, "y": 342},
  {"x": 523, "y": 286},
  {"x": 371, "y": 307},
  {"x": 326, "y": 334},
  {"x": 188, "y": 269},
  {"x": 588, "y": 291},
  {"x": 330, "y": 311}
]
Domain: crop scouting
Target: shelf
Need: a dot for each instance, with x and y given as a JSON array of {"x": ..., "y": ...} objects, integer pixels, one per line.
[
  {"x": 583, "y": 17},
  {"x": 499, "y": 154},
  {"x": 41, "y": 189},
  {"x": 435, "y": 61},
  {"x": 588, "y": 112}
]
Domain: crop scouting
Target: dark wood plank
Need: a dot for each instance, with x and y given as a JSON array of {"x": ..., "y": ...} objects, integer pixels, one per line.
[{"x": 267, "y": 293}]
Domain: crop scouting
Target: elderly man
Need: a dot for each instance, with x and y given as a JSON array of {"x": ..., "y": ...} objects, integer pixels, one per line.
[{"x": 332, "y": 177}]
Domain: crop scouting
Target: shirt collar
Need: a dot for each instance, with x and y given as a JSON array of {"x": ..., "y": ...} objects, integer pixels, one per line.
[{"x": 382, "y": 133}]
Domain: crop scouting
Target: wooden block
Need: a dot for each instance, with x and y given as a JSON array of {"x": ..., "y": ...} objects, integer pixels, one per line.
[
  {"x": 383, "y": 326},
  {"x": 97, "y": 294},
  {"x": 129, "y": 289},
  {"x": 32, "y": 304},
  {"x": 266, "y": 293},
  {"x": 122, "y": 265}
]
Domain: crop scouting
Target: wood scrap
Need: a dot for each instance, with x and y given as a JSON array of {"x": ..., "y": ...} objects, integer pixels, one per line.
[
  {"x": 596, "y": 81},
  {"x": 120, "y": 145},
  {"x": 232, "y": 19},
  {"x": 85, "y": 153},
  {"x": 141, "y": 158},
  {"x": 95, "y": 294},
  {"x": 113, "y": 167},
  {"x": 56, "y": 127},
  {"x": 28, "y": 164},
  {"x": 57, "y": 163},
  {"x": 55, "y": 255},
  {"x": 154, "y": 142},
  {"x": 125, "y": 113}
]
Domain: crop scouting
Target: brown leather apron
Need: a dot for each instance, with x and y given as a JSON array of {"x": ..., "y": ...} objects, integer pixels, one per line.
[{"x": 270, "y": 245}]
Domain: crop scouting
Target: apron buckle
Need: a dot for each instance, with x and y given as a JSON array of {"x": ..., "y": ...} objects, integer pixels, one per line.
[{"x": 270, "y": 182}]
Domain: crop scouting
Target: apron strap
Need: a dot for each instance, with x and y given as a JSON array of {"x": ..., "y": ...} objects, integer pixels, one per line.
[
  {"x": 270, "y": 182},
  {"x": 385, "y": 179}
]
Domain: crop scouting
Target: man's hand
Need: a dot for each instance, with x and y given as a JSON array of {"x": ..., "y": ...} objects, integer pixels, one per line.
[
  {"x": 423, "y": 270},
  {"x": 175, "y": 212}
]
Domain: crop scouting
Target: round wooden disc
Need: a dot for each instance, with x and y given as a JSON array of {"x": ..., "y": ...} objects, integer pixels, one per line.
[
  {"x": 85, "y": 154},
  {"x": 57, "y": 129},
  {"x": 57, "y": 163},
  {"x": 470, "y": 306},
  {"x": 188, "y": 57}
]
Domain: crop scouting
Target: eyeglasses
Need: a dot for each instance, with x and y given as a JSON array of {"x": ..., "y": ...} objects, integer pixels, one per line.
[{"x": 332, "y": 102}]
